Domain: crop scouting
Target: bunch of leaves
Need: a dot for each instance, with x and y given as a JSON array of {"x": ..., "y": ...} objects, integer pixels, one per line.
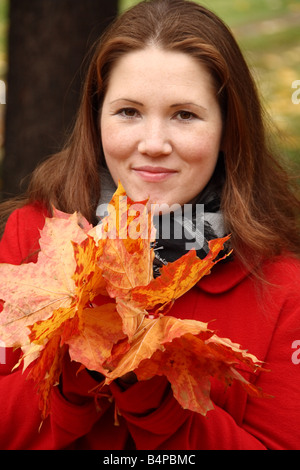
[{"x": 92, "y": 295}]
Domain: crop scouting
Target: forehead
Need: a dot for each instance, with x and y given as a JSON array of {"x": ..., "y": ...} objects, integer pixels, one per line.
[{"x": 138, "y": 70}]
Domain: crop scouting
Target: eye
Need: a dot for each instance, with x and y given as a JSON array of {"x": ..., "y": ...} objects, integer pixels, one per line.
[
  {"x": 128, "y": 112},
  {"x": 185, "y": 115}
]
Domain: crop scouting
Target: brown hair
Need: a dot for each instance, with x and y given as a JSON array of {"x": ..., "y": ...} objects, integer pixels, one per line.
[{"x": 260, "y": 208}]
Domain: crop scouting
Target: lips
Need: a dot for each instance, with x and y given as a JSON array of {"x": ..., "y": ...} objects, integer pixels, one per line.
[
  {"x": 154, "y": 173},
  {"x": 154, "y": 169}
]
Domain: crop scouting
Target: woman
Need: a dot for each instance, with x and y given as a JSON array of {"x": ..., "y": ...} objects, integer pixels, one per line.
[{"x": 169, "y": 108}]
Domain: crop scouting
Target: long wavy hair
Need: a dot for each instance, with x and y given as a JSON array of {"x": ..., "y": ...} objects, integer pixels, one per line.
[{"x": 259, "y": 203}]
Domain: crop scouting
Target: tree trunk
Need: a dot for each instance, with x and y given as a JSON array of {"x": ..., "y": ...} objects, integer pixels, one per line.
[{"x": 48, "y": 41}]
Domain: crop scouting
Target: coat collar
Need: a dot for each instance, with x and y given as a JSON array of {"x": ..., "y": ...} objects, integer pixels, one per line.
[{"x": 224, "y": 276}]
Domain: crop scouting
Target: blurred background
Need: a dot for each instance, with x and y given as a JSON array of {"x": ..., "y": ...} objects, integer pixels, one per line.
[{"x": 43, "y": 50}]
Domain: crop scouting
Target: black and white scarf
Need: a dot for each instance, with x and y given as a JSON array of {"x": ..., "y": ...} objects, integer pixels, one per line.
[{"x": 189, "y": 227}]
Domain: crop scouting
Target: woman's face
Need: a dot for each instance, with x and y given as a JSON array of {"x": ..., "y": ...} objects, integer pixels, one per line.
[{"x": 161, "y": 126}]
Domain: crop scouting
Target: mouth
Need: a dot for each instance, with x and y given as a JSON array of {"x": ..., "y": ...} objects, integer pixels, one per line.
[{"x": 153, "y": 173}]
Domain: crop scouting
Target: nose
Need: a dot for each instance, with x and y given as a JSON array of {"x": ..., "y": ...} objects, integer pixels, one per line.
[{"x": 154, "y": 141}]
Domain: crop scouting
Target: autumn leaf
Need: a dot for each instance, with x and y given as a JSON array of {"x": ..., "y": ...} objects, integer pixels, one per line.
[
  {"x": 43, "y": 300},
  {"x": 176, "y": 279},
  {"x": 127, "y": 220},
  {"x": 188, "y": 374},
  {"x": 31, "y": 292},
  {"x": 46, "y": 372},
  {"x": 188, "y": 354},
  {"x": 92, "y": 295},
  {"x": 101, "y": 328},
  {"x": 88, "y": 275},
  {"x": 189, "y": 362},
  {"x": 42, "y": 331},
  {"x": 150, "y": 337},
  {"x": 127, "y": 259},
  {"x": 82, "y": 329}
]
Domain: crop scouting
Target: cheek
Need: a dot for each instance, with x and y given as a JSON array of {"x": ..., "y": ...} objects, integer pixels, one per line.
[
  {"x": 116, "y": 144},
  {"x": 202, "y": 151}
]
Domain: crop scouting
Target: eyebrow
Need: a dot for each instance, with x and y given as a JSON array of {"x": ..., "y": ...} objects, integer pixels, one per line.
[
  {"x": 178, "y": 105},
  {"x": 127, "y": 99},
  {"x": 175, "y": 105}
]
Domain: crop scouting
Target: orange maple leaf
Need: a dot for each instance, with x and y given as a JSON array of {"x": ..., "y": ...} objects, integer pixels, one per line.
[
  {"x": 46, "y": 372},
  {"x": 127, "y": 258},
  {"x": 176, "y": 279},
  {"x": 189, "y": 362},
  {"x": 32, "y": 292},
  {"x": 92, "y": 293},
  {"x": 101, "y": 329},
  {"x": 188, "y": 354}
]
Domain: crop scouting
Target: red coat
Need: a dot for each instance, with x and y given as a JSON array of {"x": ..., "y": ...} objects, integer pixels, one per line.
[{"x": 265, "y": 320}]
